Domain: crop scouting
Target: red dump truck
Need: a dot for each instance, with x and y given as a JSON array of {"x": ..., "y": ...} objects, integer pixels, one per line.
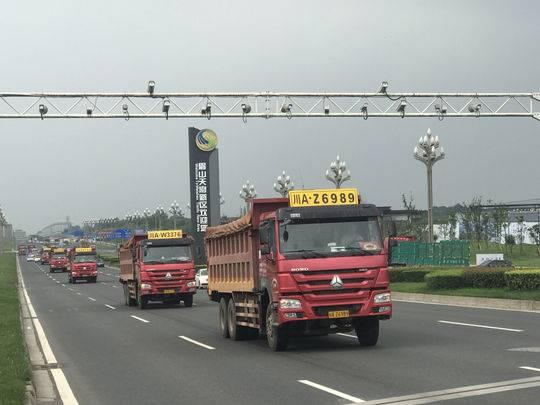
[
  {"x": 157, "y": 266},
  {"x": 82, "y": 264},
  {"x": 313, "y": 264},
  {"x": 44, "y": 255},
  {"x": 21, "y": 249},
  {"x": 58, "y": 260}
]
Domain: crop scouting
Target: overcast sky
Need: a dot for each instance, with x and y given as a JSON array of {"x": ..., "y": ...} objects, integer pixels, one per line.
[{"x": 89, "y": 168}]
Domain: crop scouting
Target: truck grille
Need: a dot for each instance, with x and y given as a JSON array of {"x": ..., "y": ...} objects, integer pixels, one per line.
[
  {"x": 316, "y": 284},
  {"x": 158, "y": 277}
]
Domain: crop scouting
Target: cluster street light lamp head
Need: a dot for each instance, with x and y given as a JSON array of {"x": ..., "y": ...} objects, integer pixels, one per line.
[
  {"x": 429, "y": 151},
  {"x": 338, "y": 173},
  {"x": 283, "y": 184},
  {"x": 248, "y": 192}
]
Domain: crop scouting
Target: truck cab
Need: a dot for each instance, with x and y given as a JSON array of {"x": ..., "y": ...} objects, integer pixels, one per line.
[
  {"x": 58, "y": 260},
  {"x": 158, "y": 266},
  {"x": 82, "y": 265}
]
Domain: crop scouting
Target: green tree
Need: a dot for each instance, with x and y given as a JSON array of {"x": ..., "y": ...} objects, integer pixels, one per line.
[
  {"x": 413, "y": 226},
  {"x": 499, "y": 217},
  {"x": 534, "y": 233},
  {"x": 509, "y": 241},
  {"x": 520, "y": 232},
  {"x": 452, "y": 223}
]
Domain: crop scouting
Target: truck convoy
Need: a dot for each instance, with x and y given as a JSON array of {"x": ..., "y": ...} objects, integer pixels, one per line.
[
  {"x": 312, "y": 264},
  {"x": 82, "y": 264},
  {"x": 157, "y": 266},
  {"x": 58, "y": 260}
]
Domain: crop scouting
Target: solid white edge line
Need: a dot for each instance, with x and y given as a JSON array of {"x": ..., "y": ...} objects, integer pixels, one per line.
[
  {"x": 63, "y": 387},
  {"x": 109, "y": 306},
  {"x": 197, "y": 343},
  {"x": 90, "y": 298},
  {"x": 480, "y": 326},
  {"x": 464, "y": 306},
  {"x": 332, "y": 391},
  {"x": 140, "y": 319},
  {"x": 530, "y": 368}
]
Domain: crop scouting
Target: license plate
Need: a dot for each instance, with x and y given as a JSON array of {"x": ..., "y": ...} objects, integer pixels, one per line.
[
  {"x": 338, "y": 314},
  {"x": 169, "y": 291}
]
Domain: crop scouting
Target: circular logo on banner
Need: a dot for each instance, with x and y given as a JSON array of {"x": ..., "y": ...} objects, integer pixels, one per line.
[{"x": 206, "y": 140}]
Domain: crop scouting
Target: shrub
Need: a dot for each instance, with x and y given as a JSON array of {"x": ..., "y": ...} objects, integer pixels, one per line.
[
  {"x": 445, "y": 279},
  {"x": 408, "y": 275},
  {"x": 523, "y": 279},
  {"x": 485, "y": 277}
]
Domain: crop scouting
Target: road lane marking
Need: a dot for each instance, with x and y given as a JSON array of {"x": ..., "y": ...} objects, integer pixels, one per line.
[
  {"x": 347, "y": 335},
  {"x": 70, "y": 289},
  {"x": 460, "y": 392},
  {"x": 101, "y": 282},
  {"x": 530, "y": 368},
  {"x": 332, "y": 391},
  {"x": 481, "y": 326},
  {"x": 63, "y": 387},
  {"x": 525, "y": 349},
  {"x": 197, "y": 343},
  {"x": 109, "y": 306},
  {"x": 114, "y": 286},
  {"x": 79, "y": 293},
  {"x": 90, "y": 298},
  {"x": 140, "y": 319}
]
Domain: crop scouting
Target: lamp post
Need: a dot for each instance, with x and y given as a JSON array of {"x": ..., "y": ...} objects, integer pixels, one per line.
[
  {"x": 248, "y": 193},
  {"x": 159, "y": 212},
  {"x": 174, "y": 209},
  {"x": 283, "y": 184},
  {"x": 146, "y": 214},
  {"x": 338, "y": 173},
  {"x": 429, "y": 151}
]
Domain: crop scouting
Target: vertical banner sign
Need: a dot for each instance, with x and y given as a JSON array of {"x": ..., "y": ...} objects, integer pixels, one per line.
[{"x": 204, "y": 186}]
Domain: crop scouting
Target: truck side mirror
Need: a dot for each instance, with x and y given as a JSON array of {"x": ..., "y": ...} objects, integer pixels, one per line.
[{"x": 392, "y": 229}]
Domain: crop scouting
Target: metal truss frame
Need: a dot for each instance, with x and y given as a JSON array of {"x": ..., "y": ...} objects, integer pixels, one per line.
[{"x": 268, "y": 105}]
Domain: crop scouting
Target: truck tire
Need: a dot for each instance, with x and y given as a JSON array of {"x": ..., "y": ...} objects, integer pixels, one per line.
[
  {"x": 142, "y": 301},
  {"x": 236, "y": 332},
  {"x": 188, "y": 300},
  {"x": 367, "y": 331},
  {"x": 275, "y": 336},
  {"x": 223, "y": 320}
]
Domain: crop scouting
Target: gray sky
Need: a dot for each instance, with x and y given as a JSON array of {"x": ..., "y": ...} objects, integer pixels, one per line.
[{"x": 89, "y": 169}]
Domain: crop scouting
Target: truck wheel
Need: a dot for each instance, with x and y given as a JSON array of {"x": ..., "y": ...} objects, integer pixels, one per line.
[
  {"x": 223, "y": 318},
  {"x": 367, "y": 331},
  {"x": 275, "y": 336},
  {"x": 188, "y": 300},
  {"x": 142, "y": 301},
  {"x": 236, "y": 332}
]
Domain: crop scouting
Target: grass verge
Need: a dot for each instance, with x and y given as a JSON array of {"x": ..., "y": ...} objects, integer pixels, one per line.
[
  {"x": 421, "y": 288},
  {"x": 14, "y": 364}
]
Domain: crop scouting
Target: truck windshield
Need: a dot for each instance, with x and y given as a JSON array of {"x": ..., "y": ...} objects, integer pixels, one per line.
[
  {"x": 85, "y": 259},
  {"x": 59, "y": 257},
  {"x": 167, "y": 254},
  {"x": 322, "y": 238}
]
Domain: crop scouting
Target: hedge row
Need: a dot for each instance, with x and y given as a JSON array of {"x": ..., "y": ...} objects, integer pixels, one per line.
[
  {"x": 470, "y": 278},
  {"x": 523, "y": 279}
]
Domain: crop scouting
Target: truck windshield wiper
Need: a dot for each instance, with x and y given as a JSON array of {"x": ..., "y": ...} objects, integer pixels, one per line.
[
  {"x": 361, "y": 251},
  {"x": 153, "y": 262},
  {"x": 307, "y": 253}
]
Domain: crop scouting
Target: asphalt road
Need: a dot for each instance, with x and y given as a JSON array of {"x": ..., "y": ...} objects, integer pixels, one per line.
[{"x": 111, "y": 357}]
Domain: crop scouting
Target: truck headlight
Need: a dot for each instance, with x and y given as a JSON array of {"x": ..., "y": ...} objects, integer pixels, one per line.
[
  {"x": 146, "y": 286},
  {"x": 191, "y": 284},
  {"x": 290, "y": 304},
  {"x": 380, "y": 298}
]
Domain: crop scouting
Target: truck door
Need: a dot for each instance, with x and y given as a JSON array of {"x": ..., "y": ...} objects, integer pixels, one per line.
[{"x": 267, "y": 262}]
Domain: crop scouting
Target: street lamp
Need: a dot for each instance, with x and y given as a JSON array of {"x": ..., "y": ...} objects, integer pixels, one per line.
[
  {"x": 159, "y": 212},
  {"x": 174, "y": 209},
  {"x": 248, "y": 193},
  {"x": 146, "y": 214},
  {"x": 283, "y": 184},
  {"x": 338, "y": 173},
  {"x": 429, "y": 151}
]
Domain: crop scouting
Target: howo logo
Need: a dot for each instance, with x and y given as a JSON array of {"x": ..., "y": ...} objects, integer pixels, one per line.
[
  {"x": 168, "y": 276},
  {"x": 336, "y": 283}
]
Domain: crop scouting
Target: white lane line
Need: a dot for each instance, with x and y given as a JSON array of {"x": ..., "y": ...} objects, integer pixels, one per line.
[
  {"x": 331, "y": 391},
  {"x": 63, "y": 387},
  {"x": 101, "y": 282},
  {"x": 114, "y": 286},
  {"x": 90, "y": 298},
  {"x": 347, "y": 335},
  {"x": 530, "y": 368},
  {"x": 47, "y": 351},
  {"x": 70, "y": 289},
  {"x": 79, "y": 293},
  {"x": 109, "y": 306},
  {"x": 140, "y": 319},
  {"x": 197, "y": 343},
  {"x": 480, "y": 326}
]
